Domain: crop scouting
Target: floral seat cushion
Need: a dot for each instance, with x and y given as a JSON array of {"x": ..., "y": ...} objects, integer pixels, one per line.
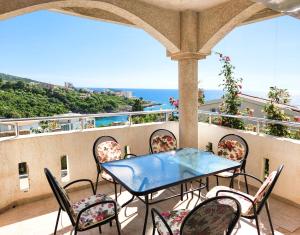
[
  {"x": 246, "y": 205},
  {"x": 227, "y": 174},
  {"x": 231, "y": 149},
  {"x": 108, "y": 151},
  {"x": 163, "y": 143},
  {"x": 95, "y": 214},
  {"x": 174, "y": 220}
]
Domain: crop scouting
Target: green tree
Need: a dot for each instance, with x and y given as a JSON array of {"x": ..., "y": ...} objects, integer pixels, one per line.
[
  {"x": 137, "y": 105},
  {"x": 19, "y": 85},
  {"x": 231, "y": 100},
  {"x": 277, "y": 96}
]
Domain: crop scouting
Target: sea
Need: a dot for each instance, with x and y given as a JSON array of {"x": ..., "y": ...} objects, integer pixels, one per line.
[{"x": 162, "y": 97}]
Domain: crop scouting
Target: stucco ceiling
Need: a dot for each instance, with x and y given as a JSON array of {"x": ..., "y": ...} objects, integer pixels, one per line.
[{"x": 185, "y": 4}]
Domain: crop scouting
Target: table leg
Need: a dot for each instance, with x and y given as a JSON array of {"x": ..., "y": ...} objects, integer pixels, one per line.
[{"x": 146, "y": 214}]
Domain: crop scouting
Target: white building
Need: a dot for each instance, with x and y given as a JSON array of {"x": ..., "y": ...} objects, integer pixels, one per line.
[{"x": 252, "y": 102}]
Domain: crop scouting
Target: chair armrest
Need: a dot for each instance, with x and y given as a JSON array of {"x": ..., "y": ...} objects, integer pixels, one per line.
[
  {"x": 96, "y": 204},
  {"x": 155, "y": 212},
  {"x": 79, "y": 181},
  {"x": 239, "y": 194},
  {"x": 247, "y": 175}
]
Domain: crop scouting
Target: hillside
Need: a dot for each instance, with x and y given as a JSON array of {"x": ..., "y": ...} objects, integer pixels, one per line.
[
  {"x": 12, "y": 78},
  {"x": 20, "y": 98}
]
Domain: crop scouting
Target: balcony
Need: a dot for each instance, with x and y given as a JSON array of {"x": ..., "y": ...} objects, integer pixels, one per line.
[{"x": 28, "y": 207}]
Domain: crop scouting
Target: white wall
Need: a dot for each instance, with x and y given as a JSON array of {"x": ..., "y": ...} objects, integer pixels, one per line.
[
  {"x": 45, "y": 150},
  {"x": 278, "y": 150}
]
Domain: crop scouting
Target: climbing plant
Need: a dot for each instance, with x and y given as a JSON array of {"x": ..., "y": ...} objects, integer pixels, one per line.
[
  {"x": 276, "y": 97},
  {"x": 232, "y": 88}
]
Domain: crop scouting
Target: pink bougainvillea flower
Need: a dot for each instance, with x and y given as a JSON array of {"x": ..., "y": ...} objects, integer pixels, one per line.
[{"x": 176, "y": 103}]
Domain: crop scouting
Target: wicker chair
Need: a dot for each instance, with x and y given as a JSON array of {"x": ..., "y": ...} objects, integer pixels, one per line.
[
  {"x": 217, "y": 215},
  {"x": 235, "y": 148},
  {"x": 251, "y": 206},
  {"x": 106, "y": 149},
  {"x": 89, "y": 212}
]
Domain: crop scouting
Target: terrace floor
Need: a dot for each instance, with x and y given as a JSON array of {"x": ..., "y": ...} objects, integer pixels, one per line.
[{"x": 38, "y": 218}]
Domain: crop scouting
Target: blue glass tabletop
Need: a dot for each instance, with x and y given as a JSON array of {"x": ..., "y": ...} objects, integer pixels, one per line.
[{"x": 149, "y": 173}]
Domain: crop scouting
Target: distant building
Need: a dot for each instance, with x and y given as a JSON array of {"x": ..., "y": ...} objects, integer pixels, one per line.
[
  {"x": 84, "y": 95},
  {"x": 69, "y": 85},
  {"x": 47, "y": 85},
  {"x": 127, "y": 94},
  {"x": 254, "y": 103}
]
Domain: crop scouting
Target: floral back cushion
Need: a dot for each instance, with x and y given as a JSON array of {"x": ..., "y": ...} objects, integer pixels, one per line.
[
  {"x": 264, "y": 187},
  {"x": 213, "y": 218},
  {"x": 163, "y": 143},
  {"x": 108, "y": 151},
  {"x": 231, "y": 149}
]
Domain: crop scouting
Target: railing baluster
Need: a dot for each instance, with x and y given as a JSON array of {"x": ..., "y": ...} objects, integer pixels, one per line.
[
  {"x": 130, "y": 119},
  {"x": 17, "y": 129},
  {"x": 82, "y": 123},
  {"x": 257, "y": 127}
]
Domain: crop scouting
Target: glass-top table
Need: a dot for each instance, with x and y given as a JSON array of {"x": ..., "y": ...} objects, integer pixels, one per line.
[{"x": 150, "y": 173}]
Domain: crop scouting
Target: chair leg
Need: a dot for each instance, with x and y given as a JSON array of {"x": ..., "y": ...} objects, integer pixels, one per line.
[
  {"x": 57, "y": 219},
  {"x": 269, "y": 217},
  {"x": 200, "y": 184},
  {"x": 257, "y": 225},
  {"x": 118, "y": 225},
  {"x": 217, "y": 180},
  {"x": 186, "y": 189},
  {"x": 153, "y": 231},
  {"x": 100, "y": 230},
  {"x": 246, "y": 183},
  {"x": 116, "y": 193},
  {"x": 181, "y": 190},
  {"x": 207, "y": 184},
  {"x": 97, "y": 181},
  {"x": 110, "y": 223}
]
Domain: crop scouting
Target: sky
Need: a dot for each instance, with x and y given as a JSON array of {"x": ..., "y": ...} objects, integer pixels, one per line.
[{"x": 54, "y": 47}]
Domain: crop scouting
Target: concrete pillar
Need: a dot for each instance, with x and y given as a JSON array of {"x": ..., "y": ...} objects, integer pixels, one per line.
[
  {"x": 188, "y": 102},
  {"x": 188, "y": 78}
]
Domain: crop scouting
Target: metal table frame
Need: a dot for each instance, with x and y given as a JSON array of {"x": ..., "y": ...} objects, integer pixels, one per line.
[{"x": 145, "y": 194}]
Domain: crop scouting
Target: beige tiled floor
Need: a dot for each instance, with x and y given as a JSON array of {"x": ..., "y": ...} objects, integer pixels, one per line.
[{"x": 38, "y": 218}]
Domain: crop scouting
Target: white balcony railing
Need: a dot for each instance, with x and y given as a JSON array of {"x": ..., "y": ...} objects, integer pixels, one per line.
[{"x": 257, "y": 123}]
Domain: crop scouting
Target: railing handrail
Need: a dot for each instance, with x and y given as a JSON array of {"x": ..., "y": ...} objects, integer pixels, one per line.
[
  {"x": 249, "y": 118},
  {"x": 18, "y": 121},
  {"x": 82, "y": 116}
]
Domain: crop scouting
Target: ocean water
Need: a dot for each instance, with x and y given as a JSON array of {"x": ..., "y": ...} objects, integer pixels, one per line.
[{"x": 160, "y": 96}]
